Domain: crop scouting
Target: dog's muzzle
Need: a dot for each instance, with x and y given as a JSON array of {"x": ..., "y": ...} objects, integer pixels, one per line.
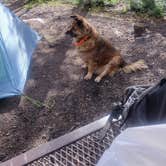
[{"x": 71, "y": 33}]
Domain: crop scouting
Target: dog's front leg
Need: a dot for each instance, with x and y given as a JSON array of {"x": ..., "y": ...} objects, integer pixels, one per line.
[
  {"x": 91, "y": 68},
  {"x": 105, "y": 72},
  {"x": 112, "y": 65}
]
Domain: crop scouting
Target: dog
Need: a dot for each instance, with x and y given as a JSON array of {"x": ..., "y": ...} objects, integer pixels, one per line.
[{"x": 97, "y": 53}]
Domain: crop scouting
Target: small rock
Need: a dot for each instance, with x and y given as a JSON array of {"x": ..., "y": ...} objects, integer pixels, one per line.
[{"x": 139, "y": 29}]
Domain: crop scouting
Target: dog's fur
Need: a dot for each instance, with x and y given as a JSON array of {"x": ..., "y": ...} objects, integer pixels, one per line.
[{"x": 98, "y": 54}]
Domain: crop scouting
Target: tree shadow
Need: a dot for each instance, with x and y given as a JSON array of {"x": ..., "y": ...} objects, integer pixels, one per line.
[
  {"x": 8, "y": 104},
  {"x": 16, "y": 5},
  {"x": 43, "y": 73},
  {"x": 56, "y": 79}
]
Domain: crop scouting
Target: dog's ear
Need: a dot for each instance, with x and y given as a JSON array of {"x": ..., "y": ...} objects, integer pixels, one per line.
[
  {"x": 78, "y": 18},
  {"x": 74, "y": 16}
]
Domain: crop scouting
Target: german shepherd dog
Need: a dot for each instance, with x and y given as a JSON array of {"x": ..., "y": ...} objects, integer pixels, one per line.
[{"x": 97, "y": 53}]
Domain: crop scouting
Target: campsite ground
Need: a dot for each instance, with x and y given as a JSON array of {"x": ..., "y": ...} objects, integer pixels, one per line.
[{"x": 56, "y": 78}]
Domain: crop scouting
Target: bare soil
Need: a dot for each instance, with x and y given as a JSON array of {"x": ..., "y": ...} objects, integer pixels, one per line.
[{"x": 56, "y": 77}]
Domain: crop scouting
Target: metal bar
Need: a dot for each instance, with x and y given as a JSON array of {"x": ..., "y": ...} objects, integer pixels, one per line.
[{"x": 55, "y": 144}]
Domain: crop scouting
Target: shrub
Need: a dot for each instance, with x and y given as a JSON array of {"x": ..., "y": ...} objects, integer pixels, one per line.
[{"x": 152, "y": 7}]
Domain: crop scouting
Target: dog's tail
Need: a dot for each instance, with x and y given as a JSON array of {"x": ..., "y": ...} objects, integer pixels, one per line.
[{"x": 138, "y": 65}]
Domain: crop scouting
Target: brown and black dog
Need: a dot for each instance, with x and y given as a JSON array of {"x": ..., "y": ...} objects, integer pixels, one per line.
[{"x": 98, "y": 54}]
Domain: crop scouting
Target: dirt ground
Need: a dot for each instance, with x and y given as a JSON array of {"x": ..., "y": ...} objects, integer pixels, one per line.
[{"x": 56, "y": 78}]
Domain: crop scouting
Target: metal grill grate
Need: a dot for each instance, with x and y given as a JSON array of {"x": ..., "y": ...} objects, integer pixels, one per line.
[{"x": 84, "y": 152}]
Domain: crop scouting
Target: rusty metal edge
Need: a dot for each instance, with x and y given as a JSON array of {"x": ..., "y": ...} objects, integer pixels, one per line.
[{"x": 55, "y": 144}]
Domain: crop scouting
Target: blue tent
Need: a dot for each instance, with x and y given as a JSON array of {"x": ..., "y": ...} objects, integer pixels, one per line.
[{"x": 17, "y": 43}]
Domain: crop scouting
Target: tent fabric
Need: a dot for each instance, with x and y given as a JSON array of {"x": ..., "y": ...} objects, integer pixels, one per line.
[
  {"x": 149, "y": 109},
  {"x": 17, "y": 43},
  {"x": 142, "y": 105},
  {"x": 137, "y": 146}
]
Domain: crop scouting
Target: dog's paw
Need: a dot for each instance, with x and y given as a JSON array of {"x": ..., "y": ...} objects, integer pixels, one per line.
[
  {"x": 88, "y": 77},
  {"x": 98, "y": 79}
]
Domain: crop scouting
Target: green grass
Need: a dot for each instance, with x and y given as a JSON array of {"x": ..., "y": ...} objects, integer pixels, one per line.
[
  {"x": 31, "y": 3},
  {"x": 156, "y": 8},
  {"x": 95, "y": 3},
  {"x": 48, "y": 104}
]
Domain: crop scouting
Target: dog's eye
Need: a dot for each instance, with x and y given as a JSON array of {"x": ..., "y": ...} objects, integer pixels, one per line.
[{"x": 79, "y": 23}]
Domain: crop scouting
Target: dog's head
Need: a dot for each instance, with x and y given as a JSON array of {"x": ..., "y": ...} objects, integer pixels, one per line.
[{"x": 79, "y": 27}]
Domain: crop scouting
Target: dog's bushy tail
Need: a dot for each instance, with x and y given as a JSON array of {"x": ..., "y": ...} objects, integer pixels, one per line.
[{"x": 138, "y": 65}]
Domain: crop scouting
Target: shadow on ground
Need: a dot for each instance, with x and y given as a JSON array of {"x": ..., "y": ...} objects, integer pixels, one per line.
[{"x": 56, "y": 79}]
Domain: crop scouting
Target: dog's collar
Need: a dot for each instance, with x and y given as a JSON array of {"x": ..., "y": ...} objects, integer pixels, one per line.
[{"x": 81, "y": 41}]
